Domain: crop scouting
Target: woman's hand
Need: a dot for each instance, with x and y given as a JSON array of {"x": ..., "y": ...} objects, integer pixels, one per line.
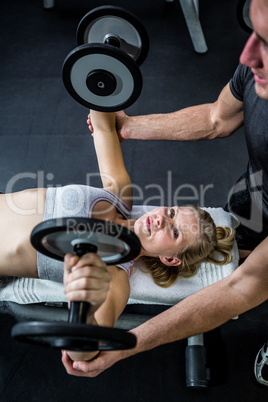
[
  {"x": 101, "y": 121},
  {"x": 121, "y": 121},
  {"x": 86, "y": 279}
]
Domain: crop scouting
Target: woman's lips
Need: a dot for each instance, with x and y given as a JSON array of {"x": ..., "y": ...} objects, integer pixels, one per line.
[{"x": 148, "y": 224}]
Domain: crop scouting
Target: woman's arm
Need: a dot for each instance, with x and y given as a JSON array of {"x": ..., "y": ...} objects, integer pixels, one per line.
[
  {"x": 109, "y": 154},
  {"x": 105, "y": 287},
  {"x": 207, "y": 121}
]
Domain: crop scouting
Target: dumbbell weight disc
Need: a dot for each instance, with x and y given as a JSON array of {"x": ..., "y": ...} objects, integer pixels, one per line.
[
  {"x": 77, "y": 337},
  {"x": 56, "y": 237},
  {"x": 102, "y": 23},
  {"x": 101, "y": 77}
]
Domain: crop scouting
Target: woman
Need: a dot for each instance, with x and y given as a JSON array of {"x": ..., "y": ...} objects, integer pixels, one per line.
[{"x": 174, "y": 240}]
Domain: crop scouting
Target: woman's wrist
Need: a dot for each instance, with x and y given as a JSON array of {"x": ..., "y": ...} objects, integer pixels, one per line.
[{"x": 91, "y": 319}]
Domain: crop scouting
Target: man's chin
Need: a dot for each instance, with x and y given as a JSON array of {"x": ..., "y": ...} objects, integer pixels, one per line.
[{"x": 261, "y": 91}]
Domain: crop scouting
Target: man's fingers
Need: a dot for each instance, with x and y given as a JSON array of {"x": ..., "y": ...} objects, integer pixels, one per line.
[{"x": 71, "y": 370}]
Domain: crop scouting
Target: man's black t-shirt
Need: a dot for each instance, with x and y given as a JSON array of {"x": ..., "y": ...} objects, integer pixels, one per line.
[{"x": 249, "y": 200}]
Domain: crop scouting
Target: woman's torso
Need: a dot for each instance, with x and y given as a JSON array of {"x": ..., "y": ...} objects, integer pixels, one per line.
[{"x": 22, "y": 211}]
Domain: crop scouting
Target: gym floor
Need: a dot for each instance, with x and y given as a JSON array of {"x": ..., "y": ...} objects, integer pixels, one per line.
[{"x": 45, "y": 141}]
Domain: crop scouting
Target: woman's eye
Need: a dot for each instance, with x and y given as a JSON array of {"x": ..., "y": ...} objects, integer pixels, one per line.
[
  {"x": 172, "y": 213},
  {"x": 176, "y": 233}
]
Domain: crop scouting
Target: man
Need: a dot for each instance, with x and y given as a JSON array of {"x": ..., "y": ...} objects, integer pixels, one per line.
[{"x": 247, "y": 287}]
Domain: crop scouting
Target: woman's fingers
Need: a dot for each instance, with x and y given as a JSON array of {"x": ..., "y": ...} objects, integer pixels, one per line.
[
  {"x": 86, "y": 279},
  {"x": 88, "y": 283}
]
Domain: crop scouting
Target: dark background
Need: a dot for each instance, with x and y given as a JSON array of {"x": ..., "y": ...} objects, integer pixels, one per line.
[{"x": 45, "y": 141}]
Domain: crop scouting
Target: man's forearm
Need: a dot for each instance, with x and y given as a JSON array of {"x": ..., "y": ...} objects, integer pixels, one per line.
[
  {"x": 218, "y": 119},
  {"x": 191, "y": 316},
  {"x": 189, "y": 124},
  {"x": 201, "y": 312},
  {"x": 244, "y": 289}
]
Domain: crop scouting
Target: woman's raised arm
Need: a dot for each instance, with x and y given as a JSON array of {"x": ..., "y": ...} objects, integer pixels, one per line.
[{"x": 112, "y": 168}]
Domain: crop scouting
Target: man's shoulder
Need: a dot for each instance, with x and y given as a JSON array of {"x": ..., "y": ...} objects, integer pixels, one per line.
[{"x": 240, "y": 80}]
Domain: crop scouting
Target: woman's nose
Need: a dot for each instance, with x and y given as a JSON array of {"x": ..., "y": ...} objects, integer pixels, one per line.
[{"x": 160, "y": 221}]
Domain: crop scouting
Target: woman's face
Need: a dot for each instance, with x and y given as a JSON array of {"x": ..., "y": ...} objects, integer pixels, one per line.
[{"x": 165, "y": 231}]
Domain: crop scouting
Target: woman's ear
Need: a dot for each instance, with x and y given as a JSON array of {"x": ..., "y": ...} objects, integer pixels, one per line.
[{"x": 170, "y": 261}]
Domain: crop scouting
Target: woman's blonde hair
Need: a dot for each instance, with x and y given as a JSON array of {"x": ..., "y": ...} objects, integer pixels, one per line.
[{"x": 212, "y": 238}]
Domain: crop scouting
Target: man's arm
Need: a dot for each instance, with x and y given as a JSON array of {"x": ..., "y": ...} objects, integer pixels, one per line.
[
  {"x": 207, "y": 121},
  {"x": 244, "y": 289}
]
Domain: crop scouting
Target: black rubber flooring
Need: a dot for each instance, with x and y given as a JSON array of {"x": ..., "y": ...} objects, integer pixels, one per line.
[{"x": 45, "y": 141}]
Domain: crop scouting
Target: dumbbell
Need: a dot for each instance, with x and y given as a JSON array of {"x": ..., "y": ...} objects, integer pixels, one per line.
[
  {"x": 103, "y": 73},
  {"x": 55, "y": 238}
]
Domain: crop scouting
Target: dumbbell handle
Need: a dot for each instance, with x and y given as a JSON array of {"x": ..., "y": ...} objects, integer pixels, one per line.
[{"x": 78, "y": 310}]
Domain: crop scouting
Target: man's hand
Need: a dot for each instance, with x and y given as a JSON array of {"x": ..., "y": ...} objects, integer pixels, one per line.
[{"x": 93, "y": 367}]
